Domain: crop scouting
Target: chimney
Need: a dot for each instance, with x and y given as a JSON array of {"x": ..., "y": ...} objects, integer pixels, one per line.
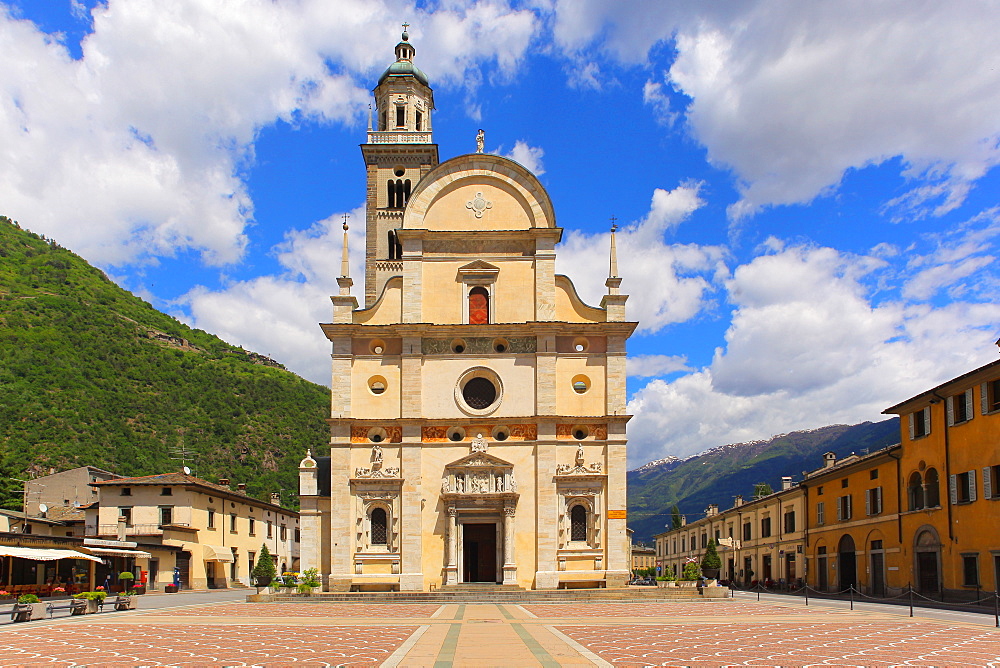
[
  {"x": 829, "y": 459},
  {"x": 712, "y": 510},
  {"x": 684, "y": 520},
  {"x": 276, "y": 498},
  {"x": 738, "y": 501},
  {"x": 242, "y": 487},
  {"x": 224, "y": 482},
  {"x": 786, "y": 482},
  {"x": 121, "y": 527}
]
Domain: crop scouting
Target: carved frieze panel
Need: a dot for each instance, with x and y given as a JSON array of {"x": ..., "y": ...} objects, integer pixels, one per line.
[
  {"x": 479, "y": 473},
  {"x": 377, "y": 473},
  {"x": 394, "y": 434},
  {"x": 518, "y": 432},
  {"x": 478, "y": 345},
  {"x": 598, "y": 431},
  {"x": 434, "y": 434}
]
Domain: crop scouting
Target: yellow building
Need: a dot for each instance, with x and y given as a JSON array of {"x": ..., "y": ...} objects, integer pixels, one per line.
[
  {"x": 853, "y": 531},
  {"x": 950, "y": 479},
  {"x": 643, "y": 557},
  {"x": 214, "y": 532},
  {"x": 477, "y": 414},
  {"x": 920, "y": 513},
  {"x": 759, "y": 541}
]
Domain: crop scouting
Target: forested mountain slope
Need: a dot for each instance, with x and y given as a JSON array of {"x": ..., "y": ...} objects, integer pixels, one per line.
[
  {"x": 719, "y": 474},
  {"x": 91, "y": 374}
]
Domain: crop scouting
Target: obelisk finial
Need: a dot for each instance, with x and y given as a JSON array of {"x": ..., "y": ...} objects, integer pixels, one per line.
[
  {"x": 345, "y": 265},
  {"x": 614, "y": 251}
]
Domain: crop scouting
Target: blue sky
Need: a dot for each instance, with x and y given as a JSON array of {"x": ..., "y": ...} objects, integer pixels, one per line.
[{"x": 808, "y": 192}]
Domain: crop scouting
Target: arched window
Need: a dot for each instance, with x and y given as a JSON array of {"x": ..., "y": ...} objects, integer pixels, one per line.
[
  {"x": 406, "y": 192},
  {"x": 479, "y": 306},
  {"x": 379, "y": 530},
  {"x": 578, "y": 523},
  {"x": 391, "y": 193},
  {"x": 932, "y": 492},
  {"x": 915, "y": 491}
]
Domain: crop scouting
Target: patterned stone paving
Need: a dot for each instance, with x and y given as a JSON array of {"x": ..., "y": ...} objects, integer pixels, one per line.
[
  {"x": 856, "y": 643},
  {"x": 670, "y": 609},
  {"x": 245, "y": 610},
  {"x": 213, "y": 645},
  {"x": 678, "y": 633}
]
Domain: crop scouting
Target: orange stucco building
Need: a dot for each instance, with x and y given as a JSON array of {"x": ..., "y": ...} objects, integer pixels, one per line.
[{"x": 950, "y": 465}]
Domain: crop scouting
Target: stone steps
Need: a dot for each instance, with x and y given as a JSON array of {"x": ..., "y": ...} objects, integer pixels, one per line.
[{"x": 492, "y": 595}]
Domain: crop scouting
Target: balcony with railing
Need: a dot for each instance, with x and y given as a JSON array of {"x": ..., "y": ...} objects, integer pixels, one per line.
[{"x": 399, "y": 137}]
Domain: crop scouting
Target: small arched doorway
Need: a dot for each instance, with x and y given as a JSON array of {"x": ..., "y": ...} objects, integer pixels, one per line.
[
  {"x": 927, "y": 552},
  {"x": 847, "y": 563}
]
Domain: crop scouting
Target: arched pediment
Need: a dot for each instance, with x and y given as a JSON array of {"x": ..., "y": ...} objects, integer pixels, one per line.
[{"x": 479, "y": 192}]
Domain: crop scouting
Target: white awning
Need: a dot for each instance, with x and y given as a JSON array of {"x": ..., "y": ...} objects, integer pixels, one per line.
[
  {"x": 218, "y": 553},
  {"x": 120, "y": 552},
  {"x": 43, "y": 554}
]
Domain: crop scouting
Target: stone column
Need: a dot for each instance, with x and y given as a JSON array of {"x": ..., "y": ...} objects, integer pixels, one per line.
[
  {"x": 509, "y": 567},
  {"x": 451, "y": 570}
]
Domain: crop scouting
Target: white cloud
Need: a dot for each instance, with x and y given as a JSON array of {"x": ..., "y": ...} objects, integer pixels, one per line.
[
  {"x": 666, "y": 283},
  {"x": 790, "y": 95},
  {"x": 648, "y": 366},
  {"x": 960, "y": 263},
  {"x": 139, "y": 148},
  {"x": 808, "y": 347},
  {"x": 530, "y": 157},
  {"x": 278, "y": 315}
]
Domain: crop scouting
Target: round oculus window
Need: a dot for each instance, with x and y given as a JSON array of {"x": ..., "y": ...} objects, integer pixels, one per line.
[{"x": 479, "y": 393}]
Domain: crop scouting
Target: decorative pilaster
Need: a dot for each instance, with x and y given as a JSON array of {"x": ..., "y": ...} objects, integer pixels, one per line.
[
  {"x": 509, "y": 567},
  {"x": 451, "y": 570}
]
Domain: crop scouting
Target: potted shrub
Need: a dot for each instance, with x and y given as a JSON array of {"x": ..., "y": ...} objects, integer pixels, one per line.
[
  {"x": 28, "y": 607},
  {"x": 310, "y": 580},
  {"x": 94, "y": 599},
  {"x": 125, "y": 601},
  {"x": 690, "y": 574},
  {"x": 668, "y": 579},
  {"x": 263, "y": 571},
  {"x": 710, "y": 561},
  {"x": 126, "y": 578}
]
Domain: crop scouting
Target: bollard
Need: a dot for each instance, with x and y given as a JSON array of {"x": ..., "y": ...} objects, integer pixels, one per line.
[
  {"x": 807, "y": 594},
  {"x": 910, "y": 588},
  {"x": 852, "y": 596},
  {"x": 996, "y": 607}
]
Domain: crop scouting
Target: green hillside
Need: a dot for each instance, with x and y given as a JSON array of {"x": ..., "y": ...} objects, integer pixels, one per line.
[
  {"x": 91, "y": 374},
  {"x": 718, "y": 475}
]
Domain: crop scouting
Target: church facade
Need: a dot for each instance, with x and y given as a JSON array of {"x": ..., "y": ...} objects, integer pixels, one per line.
[{"x": 477, "y": 418}]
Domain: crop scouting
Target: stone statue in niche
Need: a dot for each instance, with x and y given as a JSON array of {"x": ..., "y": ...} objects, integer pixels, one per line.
[
  {"x": 445, "y": 485},
  {"x": 376, "y": 454},
  {"x": 499, "y": 483},
  {"x": 460, "y": 484},
  {"x": 479, "y": 444},
  {"x": 579, "y": 455}
]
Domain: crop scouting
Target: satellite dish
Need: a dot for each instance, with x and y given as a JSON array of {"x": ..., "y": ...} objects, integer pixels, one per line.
[
  {"x": 42, "y": 507},
  {"x": 186, "y": 470}
]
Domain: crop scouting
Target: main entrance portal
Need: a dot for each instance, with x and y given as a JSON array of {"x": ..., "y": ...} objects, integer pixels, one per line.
[{"x": 479, "y": 552}]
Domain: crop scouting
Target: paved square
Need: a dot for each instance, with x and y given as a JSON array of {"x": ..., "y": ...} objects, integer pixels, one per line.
[
  {"x": 667, "y": 633},
  {"x": 208, "y": 645},
  {"x": 326, "y": 610},
  {"x": 854, "y": 644}
]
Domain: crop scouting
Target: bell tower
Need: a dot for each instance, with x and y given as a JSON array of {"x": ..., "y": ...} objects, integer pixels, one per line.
[{"x": 399, "y": 152}]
